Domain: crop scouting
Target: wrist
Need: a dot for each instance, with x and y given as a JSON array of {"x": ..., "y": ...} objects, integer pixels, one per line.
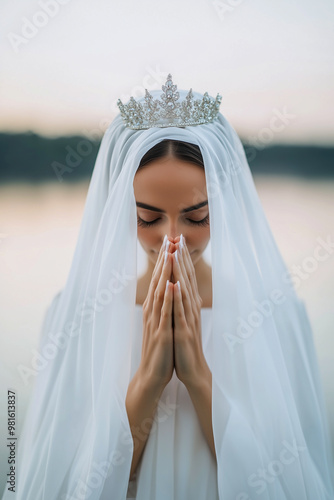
[
  {"x": 148, "y": 384},
  {"x": 202, "y": 379}
]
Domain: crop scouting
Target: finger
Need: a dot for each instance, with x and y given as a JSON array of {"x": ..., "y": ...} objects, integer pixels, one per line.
[
  {"x": 167, "y": 308},
  {"x": 179, "y": 275},
  {"x": 189, "y": 263},
  {"x": 179, "y": 313},
  {"x": 156, "y": 275},
  {"x": 172, "y": 247},
  {"x": 159, "y": 293},
  {"x": 192, "y": 285},
  {"x": 189, "y": 284},
  {"x": 160, "y": 259},
  {"x": 191, "y": 276},
  {"x": 173, "y": 240},
  {"x": 185, "y": 269},
  {"x": 163, "y": 247}
]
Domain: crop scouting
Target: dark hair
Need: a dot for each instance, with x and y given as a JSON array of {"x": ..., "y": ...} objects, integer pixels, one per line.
[{"x": 178, "y": 149}]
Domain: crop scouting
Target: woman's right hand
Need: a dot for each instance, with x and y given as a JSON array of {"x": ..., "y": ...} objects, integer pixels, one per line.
[{"x": 157, "y": 358}]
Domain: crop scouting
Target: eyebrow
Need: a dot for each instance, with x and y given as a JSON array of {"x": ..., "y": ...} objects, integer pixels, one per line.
[{"x": 185, "y": 210}]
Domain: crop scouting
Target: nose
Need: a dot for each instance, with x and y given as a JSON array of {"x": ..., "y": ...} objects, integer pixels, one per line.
[
  {"x": 172, "y": 228},
  {"x": 172, "y": 232}
]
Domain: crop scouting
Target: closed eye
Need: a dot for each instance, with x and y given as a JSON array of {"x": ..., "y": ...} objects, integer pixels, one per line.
[{"x": 143, "y": 223}]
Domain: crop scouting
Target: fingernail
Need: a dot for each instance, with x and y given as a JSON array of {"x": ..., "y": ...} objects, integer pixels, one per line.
[
  {"x": 178, "y": 284},
  {"x": 167, "y": 285},
  {"x": 164, "y": 242},
  {"x": 167, "y": 245},
  {"x": 181, "y": 244},
  {"x": 176, "y": 257},
  {"x": 166, "y": 253}
]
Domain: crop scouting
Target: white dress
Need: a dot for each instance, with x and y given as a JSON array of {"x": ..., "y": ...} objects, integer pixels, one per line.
[{"x": 177, "y": 463}]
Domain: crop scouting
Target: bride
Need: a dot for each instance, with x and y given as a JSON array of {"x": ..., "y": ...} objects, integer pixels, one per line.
[
  {"x": 189, "y": 381},
  {"x": 164, "y": 192}
]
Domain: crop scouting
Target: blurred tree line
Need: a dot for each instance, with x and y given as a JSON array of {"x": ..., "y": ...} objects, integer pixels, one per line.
[{"x": 33, "y": 158}]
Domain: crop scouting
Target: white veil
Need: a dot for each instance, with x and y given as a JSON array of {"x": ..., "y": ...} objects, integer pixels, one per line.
[{"x": 268, "y": 410}]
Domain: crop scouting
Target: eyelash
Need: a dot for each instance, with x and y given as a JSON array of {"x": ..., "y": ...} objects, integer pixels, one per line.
[{"x": 203, "y": 222}]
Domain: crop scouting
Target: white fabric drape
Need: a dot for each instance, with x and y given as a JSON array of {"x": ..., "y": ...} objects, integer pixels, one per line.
[{"x": 269, "y": 423}]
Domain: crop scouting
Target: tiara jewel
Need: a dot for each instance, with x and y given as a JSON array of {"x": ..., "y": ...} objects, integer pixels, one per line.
[{"x": 169, "y": 112}]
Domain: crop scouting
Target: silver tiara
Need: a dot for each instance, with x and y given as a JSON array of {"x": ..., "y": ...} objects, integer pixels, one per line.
[{"x": 169, "y": 112}]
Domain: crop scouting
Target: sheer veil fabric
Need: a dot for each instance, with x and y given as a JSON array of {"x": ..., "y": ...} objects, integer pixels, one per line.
[{"x": 268, "y": 410}]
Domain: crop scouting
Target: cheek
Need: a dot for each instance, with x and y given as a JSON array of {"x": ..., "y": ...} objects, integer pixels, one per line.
[
  {"x": 199, "y": 237},
  {"x": 147, "y": 239}
]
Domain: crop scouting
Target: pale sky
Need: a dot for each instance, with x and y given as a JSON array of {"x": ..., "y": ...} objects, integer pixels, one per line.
[{"x": 64, "y": 63}]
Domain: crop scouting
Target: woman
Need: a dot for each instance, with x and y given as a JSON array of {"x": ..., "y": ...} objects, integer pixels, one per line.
[
  {"x": 168, "y": 176},
  {"x": 154, "y": 391}
]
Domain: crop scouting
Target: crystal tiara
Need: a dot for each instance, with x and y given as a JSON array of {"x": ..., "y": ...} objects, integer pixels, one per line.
[{"x": 169, "y": 112}]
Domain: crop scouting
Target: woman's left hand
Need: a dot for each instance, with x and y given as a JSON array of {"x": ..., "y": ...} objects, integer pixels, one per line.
[{"x": 189, "y": 360}]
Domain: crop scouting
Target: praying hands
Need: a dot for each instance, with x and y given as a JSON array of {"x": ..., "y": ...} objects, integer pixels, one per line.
[{"x": 171, "y": 340}]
